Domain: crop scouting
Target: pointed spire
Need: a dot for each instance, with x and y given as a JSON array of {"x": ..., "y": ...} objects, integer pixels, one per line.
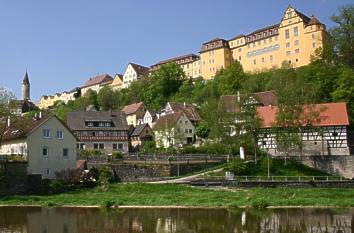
[{"x": 26, "y": 79}]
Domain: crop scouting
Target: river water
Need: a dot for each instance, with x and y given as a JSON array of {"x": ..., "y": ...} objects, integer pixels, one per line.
[{"x": 94, "y": 220}]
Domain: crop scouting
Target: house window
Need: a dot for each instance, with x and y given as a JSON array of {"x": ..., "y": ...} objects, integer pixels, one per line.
[
  {"x": 271, "y": 58},
  {"x": 296, "y": 42},
  {"x": 45, "y": 152},
  {"x": 287, "y": 45},
  {"x": 297, "y": 50},
  {"x": 239, "y": 58},
  {"x": 186, "y": 130},
  {"x": 239, "y": 49},
  {"x": 288, "y": 53},
  {"x": 254, "y": 62},
  {"x": 262, "y": 59},
  {"x": 190, "y": 131},
  {"x": 60, "y": 134},
  {"x": 289, "y": 15},
  {"x": 313, "y": 45},
  {"x": 120, "y": 146},
  {"x": 98, "y": 146},
  {"x": 287, "y": 35},
  {"x": 313, "y": 35},
  {"x": 115, "y": 146},
  {"x": 48, "y": 171},
  {"x": 65, "y": 153},
  {"x": 80, "y": 146},
  {"x": 46, "y": 133},
  {"x": 296, "y": 31}
]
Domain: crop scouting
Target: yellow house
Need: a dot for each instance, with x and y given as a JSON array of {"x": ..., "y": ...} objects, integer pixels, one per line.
[
  {"x": 134, "y": 113},
  {"x": 190, "y": 64},
  {"x": 117, "y": 83},
  {"x": 294, "y": 39}
]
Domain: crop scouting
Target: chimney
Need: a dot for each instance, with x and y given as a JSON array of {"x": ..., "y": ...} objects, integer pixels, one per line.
[{"x": 8, "y": 121}]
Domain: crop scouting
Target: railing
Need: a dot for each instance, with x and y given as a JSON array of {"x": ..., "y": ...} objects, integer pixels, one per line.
[{"x": 276, "y": 178}]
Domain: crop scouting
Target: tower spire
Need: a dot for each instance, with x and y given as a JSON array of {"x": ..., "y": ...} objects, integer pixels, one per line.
[{"x": 26, "y": 87}]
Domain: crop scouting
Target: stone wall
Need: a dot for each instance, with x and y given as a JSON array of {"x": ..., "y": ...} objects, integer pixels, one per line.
[
  {"x": 339, "y": 165},
  {"x": 150, "y": 172}
]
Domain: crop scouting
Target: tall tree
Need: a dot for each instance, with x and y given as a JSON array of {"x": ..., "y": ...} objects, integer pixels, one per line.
[
  {"x": 5, "y": 110},
  {"x": 105, "y": 98},
  {"x": 343, "y": 35}
]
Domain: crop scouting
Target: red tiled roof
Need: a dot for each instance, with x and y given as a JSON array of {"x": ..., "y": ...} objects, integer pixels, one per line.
[
  {"x": 168, "y": 121},
  {"x": 132, "y": 108},
  {"x": 100, "y": 79},
  {"x": 330, "y": 114}
]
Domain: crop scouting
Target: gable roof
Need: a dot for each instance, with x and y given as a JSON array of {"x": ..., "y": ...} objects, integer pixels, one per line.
[
  {"x": 132, "y": 108},
  {"x": 23, "y": 128},
  {"x": 76, "y": 120},
  {"x": 330, "y": 114},
  {"x": 266, "y": 98},
  {"x": 167, "y": 121},
  {"x": 314, "y": 21},
  {"x": 174, "y": 59},
  {"x": 139, "y": 129},
  {"x": 140, "y": 70},
  {"x": 100, "y": 79},
  {"x": 188, "y": 109}
]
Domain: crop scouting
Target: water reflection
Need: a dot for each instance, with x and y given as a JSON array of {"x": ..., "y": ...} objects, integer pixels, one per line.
[{"x": 85, "y": 220}]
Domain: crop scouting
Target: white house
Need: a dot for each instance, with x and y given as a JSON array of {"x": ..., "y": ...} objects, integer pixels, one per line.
[
  {"x": 45, "y": 142},
  {"x": 150, "y": 118},
  {"x": 134, "y": 72},
  {"x": 173, "y": 130},
  {"x": 96, "y": 83}
]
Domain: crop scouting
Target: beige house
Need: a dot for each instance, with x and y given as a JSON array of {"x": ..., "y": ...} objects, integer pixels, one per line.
[
  {"x": 190, "y": 64},
  {"x": 45, "y": 142},
  {"x": 173, "y": 130},
  {"x": 134, "y": 113},
  {"x": 96, "y": 83},
  {"x": 134, "y": 72}
]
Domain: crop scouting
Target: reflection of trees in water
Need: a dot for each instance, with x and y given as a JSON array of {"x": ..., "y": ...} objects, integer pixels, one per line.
[{"x": 82, "y": 220}]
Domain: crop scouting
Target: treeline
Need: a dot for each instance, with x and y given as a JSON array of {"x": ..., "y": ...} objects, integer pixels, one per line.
[{"x": 328, "y": 78}]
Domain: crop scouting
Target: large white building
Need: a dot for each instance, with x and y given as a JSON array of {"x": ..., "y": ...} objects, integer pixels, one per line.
[{"x": 134, "y": 72}]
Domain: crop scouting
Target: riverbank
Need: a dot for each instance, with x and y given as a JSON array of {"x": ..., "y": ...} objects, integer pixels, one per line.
[{"x": 181, "y": 195}]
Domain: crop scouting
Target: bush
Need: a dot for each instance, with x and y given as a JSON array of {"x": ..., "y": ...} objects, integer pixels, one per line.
[
  {"x": 117, "y": 155},
  {"x": 58, "y": 186},
  {"x": 105, "y": 176},
  {"x": 149, "y": 147},
  {"x": 237, "y": 166}
]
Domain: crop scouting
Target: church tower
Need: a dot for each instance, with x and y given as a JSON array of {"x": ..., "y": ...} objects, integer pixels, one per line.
[{"x": 26, "y": 88}]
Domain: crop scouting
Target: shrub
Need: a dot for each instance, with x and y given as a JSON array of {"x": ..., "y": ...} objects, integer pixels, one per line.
[
  {"x": 117, "y": 155},
  {"x": 237, "y": 166},
  {"x": 105, "y": 176},
  {"x": 149, "y": 147}
]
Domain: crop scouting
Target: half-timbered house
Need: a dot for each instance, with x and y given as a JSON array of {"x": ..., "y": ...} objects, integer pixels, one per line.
[{"x": 325, "y": 135}]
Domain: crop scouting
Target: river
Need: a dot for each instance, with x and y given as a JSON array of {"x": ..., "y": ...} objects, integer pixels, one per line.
[{"x": 169, "y": 220}]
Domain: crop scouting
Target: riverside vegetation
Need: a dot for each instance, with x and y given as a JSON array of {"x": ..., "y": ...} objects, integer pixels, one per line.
[{"x": 181, "y": 195}]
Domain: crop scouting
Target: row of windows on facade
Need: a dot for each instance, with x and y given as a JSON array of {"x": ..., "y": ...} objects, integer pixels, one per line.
[
  {"x": 287, "y": 32},
  {"x": 101, "y": 146},
  {"x": 99, "y": 124},
  {"x": 117, "y": 133},
  {"x": 263, "y": 60},
  {"x": 270, "y": 40},
  {"x": 47, "y": 134},
  {"x": 45, "y": 152},
  {"x": 187, "y": 65}
]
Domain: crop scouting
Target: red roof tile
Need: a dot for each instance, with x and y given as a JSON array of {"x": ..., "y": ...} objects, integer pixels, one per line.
[
  {"x": 132, "y": 108},
  {"x": 330, "y": 114},
  {"x": 100, "y": 79}
]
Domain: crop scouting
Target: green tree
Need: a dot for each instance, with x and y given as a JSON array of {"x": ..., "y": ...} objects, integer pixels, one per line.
[
  {"x": 6, "y": 97},
  {"x": 105, "y": 98},
  {"x": 345, "y": 91},
  {"x": 164, "y": 83},
  {"x": 343, "y": 35},
  {"x": 231, "y": 79}
]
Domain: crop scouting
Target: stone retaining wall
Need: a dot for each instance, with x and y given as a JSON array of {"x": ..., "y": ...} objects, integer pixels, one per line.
[{"x": 334, "y": 164}]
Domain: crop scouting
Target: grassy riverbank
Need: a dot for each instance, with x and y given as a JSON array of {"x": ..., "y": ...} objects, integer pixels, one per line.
[{"x": 172, "y": 195}]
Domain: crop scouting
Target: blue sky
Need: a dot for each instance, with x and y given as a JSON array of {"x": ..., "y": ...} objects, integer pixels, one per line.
[{"x": 63, "y": 43}]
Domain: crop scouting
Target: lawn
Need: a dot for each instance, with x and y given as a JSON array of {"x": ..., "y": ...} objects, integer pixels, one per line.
[{"x": 181, "y": 195}]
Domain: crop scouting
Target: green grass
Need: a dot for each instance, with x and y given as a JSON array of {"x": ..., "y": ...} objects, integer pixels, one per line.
[
  {"x": 278, "y": 168},
  {"x": 171, "y": 195}
]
